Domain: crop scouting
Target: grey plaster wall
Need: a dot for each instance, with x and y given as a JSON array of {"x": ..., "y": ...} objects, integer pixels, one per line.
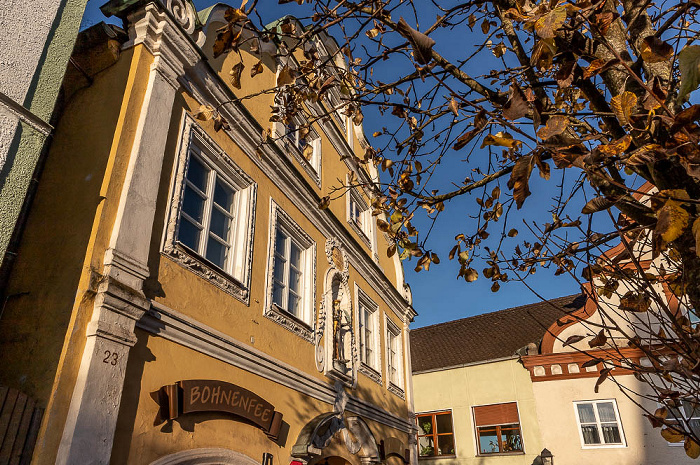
[{"x": 36, "y": 42}]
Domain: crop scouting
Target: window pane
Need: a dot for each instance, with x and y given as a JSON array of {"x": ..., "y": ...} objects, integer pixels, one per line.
[
  {"x": 510, "y": 437},
  {"x": 585, "y": 413},
  {"x": 426, "y": 425},
  {"x": 220, "y": 224},
  {"x": 188, "y": 234},
  {"x": 197, "y": 174},
  {"x": 606, "y": 412},
  {"x": 590, "y": 434},
  {"x": 193, "y": 204},
  {"x": 426, "y": 447},
  {"x": 216, "y": 252},
  {"x": 278, "y": 294},
  {"x": 223, "y": 196},
  {"x": 446, "y": 445},
  {"x": 280, "y": 242},
  {"x": 611, "y": 433},
  {"x": 278, "y": 270},
  {"x": 695, "y": 426},
  {"x": 444, "y": 423},
  {"x": 488, "y": 441},
  {"x": 691, "y": 409},
  {"x": 295, "y": 256},
  {"x": 293, "y": 306},
  {"x": 294, "y": 280}
]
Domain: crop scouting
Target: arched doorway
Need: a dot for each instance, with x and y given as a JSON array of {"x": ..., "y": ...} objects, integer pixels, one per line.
[{"x": 210, "y": 456}]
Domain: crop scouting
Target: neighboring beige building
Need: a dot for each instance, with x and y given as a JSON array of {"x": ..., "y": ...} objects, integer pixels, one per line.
[
  {"x": 499, "y": 388},
  {"x": 467, "y": 377}
]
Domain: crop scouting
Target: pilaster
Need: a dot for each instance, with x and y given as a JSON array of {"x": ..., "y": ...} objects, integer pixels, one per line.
[{"x": 89, "y": 430}]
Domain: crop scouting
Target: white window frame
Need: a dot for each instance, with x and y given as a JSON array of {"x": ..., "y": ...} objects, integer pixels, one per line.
[
  {"x": 602, "y": 445},
  {"x": 370, "y": 368},
  {"x": 364, "y": 229},
  {"x": 685, "y": 419},
  {"x": 234, "y": 277},
  {"x": 301, "y": 325},
  {"x": 395, "y": 386}
]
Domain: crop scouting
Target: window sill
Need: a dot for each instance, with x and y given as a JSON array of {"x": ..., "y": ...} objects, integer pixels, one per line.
[
  {"x": 393, "y": 388},
  {"x": 202, "y": 267},
  {"x": 370, "y": 372},
  {"x": 290, "y": 322},
  {"x": 605, "y": 446},
  {"x": 501, "y": 454}
]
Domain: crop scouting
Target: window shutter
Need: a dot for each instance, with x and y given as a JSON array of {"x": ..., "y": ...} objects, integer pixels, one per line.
[{"x": 498, "y": 414}]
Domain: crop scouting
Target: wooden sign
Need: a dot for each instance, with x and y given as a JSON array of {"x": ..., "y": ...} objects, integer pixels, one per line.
[{"x": 201, "y": 395}]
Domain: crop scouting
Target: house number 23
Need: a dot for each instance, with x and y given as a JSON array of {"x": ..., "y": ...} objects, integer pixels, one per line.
[{"x": 110, "y": 358}]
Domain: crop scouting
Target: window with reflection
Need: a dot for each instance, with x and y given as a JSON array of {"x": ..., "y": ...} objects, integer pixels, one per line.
[
  {"x": 435, "y": 434},
  {"x": 599, "y": 423},
  {"x": 498, "y": 429}
]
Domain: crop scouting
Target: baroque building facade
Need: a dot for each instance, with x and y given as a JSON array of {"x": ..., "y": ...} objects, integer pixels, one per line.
[{"x": 178, "y": 296}]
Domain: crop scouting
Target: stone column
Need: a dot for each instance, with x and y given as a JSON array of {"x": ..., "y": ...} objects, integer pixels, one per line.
[{"x": 89, "y": 430}]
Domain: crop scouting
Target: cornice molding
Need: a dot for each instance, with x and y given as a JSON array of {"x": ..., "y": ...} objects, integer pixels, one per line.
[{"x": 176, "y": 327}]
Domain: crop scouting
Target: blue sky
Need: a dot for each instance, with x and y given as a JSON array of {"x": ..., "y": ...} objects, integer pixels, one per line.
[{"x": 438, "y": 295}]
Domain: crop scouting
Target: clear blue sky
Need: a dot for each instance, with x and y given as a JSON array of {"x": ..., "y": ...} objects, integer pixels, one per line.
[{"x": 438, "y": 295}]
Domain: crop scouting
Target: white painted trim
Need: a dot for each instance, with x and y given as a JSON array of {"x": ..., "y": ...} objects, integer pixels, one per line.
[
  {"x": 181, "y": 329},
  {"x": 395, "y": 388},
  {"x": 373, "y": 369},
  {"x": 302, "y": 327},
  {"x": 210, "y": 456},
  {"x": 237, "y": 280},
  {"x": 595, "y": 412}
]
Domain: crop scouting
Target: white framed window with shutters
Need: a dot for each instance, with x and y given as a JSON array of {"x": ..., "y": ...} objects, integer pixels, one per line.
[
  {"x": 368, "y": 341},
  {"x": 599, "y": 424},
  {"x": 291, "y": 274},
  {"x": 394, "y": 357},
  {"x": 211, "y": 213}
]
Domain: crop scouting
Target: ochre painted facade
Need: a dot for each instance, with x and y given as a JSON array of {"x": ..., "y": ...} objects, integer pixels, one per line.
[{"x": 88, "y": 266}]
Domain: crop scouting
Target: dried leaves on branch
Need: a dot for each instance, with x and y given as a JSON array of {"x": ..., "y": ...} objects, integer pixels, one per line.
[{"x": 472, "y": 99}]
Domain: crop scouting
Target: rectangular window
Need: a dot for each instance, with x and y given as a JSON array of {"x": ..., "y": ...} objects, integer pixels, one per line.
[
  {"x": 306, "y": 144},
  {"x": 435, "y": 434},
  {"x": 393, "y": 354},
  {"x": 368, "y": 334},
  {"x": 599, "y": 423},
  {"x": 498, "y": 428},
  {"x": 686, "y": 414},
  {"x": 291, "y": 279},
  {"x": 210, "y": 217},
  {"x": 359, "y": 215}
]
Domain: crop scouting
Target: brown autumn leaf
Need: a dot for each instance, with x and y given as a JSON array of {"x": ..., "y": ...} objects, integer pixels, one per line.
[
  {"x": 604, "y": 20},
  {"x": 648, "y": 153},
  {"x": 495, "y": 286},
  {"x": 235, "y": 73},
  {"x": 594, "y": 68},
  {"x": 692, "y": 448},
  {"x": 592, "y": 362},
  {"x": 454, "y": 107},
  {"x": 516, "y": 107},
  {"x": 234, "y": 14},
  {"x": 286, "y": 76},
  {"x": 223, "y": 42},
  {"x": 542, "y": 55},
  {"x": 596, "y": 204},
  {"x": 685, "y": 117},
  {"x": 599, "y": 340},
  {"x": 672, "y": 217},
  {"x": 655, "y": 50},
  {"x": 555, "y": 125},
  {"x": 421, "y": 43},
  {"x": 205, "y": 113},
  {"x": 327, "y": 84},
  {"x": 573, "y": 339},
  {"x": 220, "y": 123},
  {"x": 623, "y": 105},
  {"x": 513, "y": 232},
  {"x": 256, "y": 69},
  {"x": 471, "y": 275},
  {"x": 542, "y": 167},
  {"x": 501, "y": 139},
  {"x": 616, "y": 147},
  {"x": 565, "y": 74},
  {"x": 548, "y": 24},
  {"x": 696, "y": 235},
  {"x": 633, "y": 302},
  {"x": 520, "y": 178},
  {"x": 324, "y": 203},
  {"x": 391, "y": 250},
  {"x": 603, "y": 376},
  {"x": 671, "y": 435},
  {"x": 485, "y": 26}
]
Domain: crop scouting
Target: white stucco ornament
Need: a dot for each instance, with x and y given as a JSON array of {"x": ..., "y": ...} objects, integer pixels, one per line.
[{"x": 184, "y": 13}]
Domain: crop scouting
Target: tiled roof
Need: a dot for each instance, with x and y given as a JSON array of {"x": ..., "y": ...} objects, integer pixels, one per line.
[{"x": 486, "y": 337}]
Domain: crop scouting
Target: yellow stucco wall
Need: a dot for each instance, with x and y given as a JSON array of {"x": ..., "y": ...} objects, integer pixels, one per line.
[
  {"x": 460, "y": 389},
  {"x": 42, "y": 333}
]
